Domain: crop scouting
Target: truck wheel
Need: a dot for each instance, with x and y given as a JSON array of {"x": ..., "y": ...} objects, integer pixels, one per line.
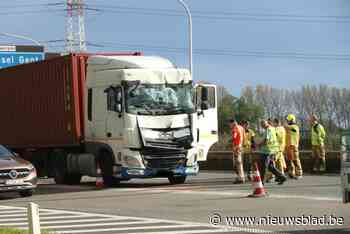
[
  {"x": 177, "y": 179},
  {"x": 26, "y": 193},
  {"x": 106, "y": 164},
  {"x": 60, "y": 176},
  {"x": 59, "y": 166}
]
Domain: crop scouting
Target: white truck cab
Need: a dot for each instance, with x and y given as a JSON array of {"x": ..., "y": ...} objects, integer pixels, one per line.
[{"x": 145, "y": 118}]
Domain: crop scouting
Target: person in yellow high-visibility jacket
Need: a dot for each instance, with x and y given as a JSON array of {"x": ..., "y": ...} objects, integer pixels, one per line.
[
  {"x": 248, "y": 147},
  {"x": 268, "y": 149},
  {"x": 281, "y": 137},
  {"x": 318, "y": 135},
  {"x": 295, "y": 170}
]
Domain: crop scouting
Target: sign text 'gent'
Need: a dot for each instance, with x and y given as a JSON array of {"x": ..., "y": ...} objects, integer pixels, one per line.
[{"x": 8, "y": 59}]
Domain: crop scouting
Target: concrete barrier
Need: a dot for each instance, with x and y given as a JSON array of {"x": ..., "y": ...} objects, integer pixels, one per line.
[{"x": 222, "y": 160}]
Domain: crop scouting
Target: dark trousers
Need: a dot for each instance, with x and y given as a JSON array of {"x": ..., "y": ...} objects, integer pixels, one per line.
[{"x": 267, "y": 163}]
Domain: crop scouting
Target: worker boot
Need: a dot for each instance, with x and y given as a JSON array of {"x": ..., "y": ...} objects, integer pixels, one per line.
[{"x": 322, "y": 165}]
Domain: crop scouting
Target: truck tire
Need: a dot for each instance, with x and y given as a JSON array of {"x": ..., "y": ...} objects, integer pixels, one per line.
[
  {"x": 61, "y": 175},
  {"x": 106, "y": 163},
  {"x": 177, "y": 179},
  {"x": 59, "y": 169},
  {"x": 26, "y": 193}
]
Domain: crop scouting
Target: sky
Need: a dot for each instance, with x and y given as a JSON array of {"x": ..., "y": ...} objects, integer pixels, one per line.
[{"x": 237, "y": 43}]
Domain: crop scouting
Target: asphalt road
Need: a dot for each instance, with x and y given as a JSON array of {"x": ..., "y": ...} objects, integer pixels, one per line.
[{"x": 154, "y": 206}]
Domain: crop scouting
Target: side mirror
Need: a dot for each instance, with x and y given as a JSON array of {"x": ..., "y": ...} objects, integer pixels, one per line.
[
  {"x": 119, "y": 101},
  {"x": 200, "y": 112},
  {"x": 204, "y": 105},
  {"x": 118, "y": 107}
]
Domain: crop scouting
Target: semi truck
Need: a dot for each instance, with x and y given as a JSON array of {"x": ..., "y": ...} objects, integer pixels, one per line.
[{"x": 129, "y": 115}]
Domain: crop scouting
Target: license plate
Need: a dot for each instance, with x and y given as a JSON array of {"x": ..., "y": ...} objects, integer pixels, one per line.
[{"x": 14, "y": 182}]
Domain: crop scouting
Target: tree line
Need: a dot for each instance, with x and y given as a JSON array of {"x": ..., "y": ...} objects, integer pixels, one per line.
[{"x": 330, "y": 104}]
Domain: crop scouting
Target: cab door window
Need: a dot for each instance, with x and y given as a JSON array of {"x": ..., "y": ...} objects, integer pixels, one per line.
[
  {"x": 206, "y": 97},
  {"x": 114, "y": 99}
]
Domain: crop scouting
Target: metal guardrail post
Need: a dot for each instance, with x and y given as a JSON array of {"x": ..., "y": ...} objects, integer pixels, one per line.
[{"x": 33, "y": 218}]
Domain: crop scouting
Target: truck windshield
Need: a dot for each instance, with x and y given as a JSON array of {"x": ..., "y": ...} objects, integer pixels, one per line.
[
  {"x": 4, "y": 153},
  {"x": 159, "y": 99}
]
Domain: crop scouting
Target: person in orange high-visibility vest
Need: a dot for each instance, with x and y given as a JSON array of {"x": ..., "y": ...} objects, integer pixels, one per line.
[{"x": 237, "y": 133}]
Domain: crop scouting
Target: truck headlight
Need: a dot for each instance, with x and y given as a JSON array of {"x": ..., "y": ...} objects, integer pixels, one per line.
[
  {"x": 192, "y": 160},
  {"x": 132, "y": 162},
  {"x": 182, "y": 133}
]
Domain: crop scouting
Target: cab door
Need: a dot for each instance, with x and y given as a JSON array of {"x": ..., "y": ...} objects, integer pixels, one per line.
[
  {"x": 207, "y": 127},
  {"x": 114, "y": 120}
]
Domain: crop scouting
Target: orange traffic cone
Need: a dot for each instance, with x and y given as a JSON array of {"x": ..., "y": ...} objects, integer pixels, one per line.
[
  {"x": 258, "y": 188},
  {"x": 99, "y": 178}
]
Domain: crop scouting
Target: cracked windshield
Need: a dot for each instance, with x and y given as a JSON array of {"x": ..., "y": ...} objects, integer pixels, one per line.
[{"x": 160, "y": 99}]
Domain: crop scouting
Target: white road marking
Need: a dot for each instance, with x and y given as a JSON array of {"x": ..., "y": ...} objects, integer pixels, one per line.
[
  {"x": 153, "y": 232},
  {"x": 42, "y": 214},
  {"x": 100, "y": 224},
  {"x": 12, "y": 211},
  {"x": 63, "y": 221},
  {"x": 43, "y": 218},
  {"x": 127, "y": 229},
  {"x": 187, "y": 232},
  {"x": 114, "y": 223}
]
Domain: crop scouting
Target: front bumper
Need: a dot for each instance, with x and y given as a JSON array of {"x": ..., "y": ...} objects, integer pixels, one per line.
[
  {"x": 129, "y": 173},
  {"x": 26, "y": 185}
]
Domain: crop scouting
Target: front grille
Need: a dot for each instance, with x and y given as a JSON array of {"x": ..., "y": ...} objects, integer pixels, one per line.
[
  {"x": 164, "y": 144},
  {"x": 21, "y": 173},
  {"x": 163, "y": 163},
  {"x": 164, "y": 159},
  {"x": 172, "y": 144}
]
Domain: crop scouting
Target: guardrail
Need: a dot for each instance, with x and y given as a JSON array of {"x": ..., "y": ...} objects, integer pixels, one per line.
[{"x": 222, "y": 160}]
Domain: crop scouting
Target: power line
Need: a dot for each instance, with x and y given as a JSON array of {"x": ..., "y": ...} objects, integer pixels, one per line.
[
  {"x": 224, "y": 15},
  {"x": 206, "y": 15},
  {"x": 219, "y": 52},
  {"x": 226, "y": 52},
  {"x": 219, "y": 12},
  {"x": 29, "y": 5}
]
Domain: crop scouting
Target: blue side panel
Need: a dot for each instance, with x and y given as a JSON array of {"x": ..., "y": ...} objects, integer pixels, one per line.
[{"x": 129, "y": 173}]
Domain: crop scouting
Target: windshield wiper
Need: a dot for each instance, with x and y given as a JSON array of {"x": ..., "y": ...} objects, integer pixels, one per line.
[
  {"x": 147, "y": 109},
  {"x": 181, "y": 110}
]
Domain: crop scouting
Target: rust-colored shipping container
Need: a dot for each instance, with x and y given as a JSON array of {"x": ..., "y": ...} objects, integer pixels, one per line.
[{"x": 41, "y": 103}]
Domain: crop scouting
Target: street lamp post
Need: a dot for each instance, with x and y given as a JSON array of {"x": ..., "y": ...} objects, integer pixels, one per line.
[
  {"x": 21, "y": 37},
  {"x": 187, "y": 9}
]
